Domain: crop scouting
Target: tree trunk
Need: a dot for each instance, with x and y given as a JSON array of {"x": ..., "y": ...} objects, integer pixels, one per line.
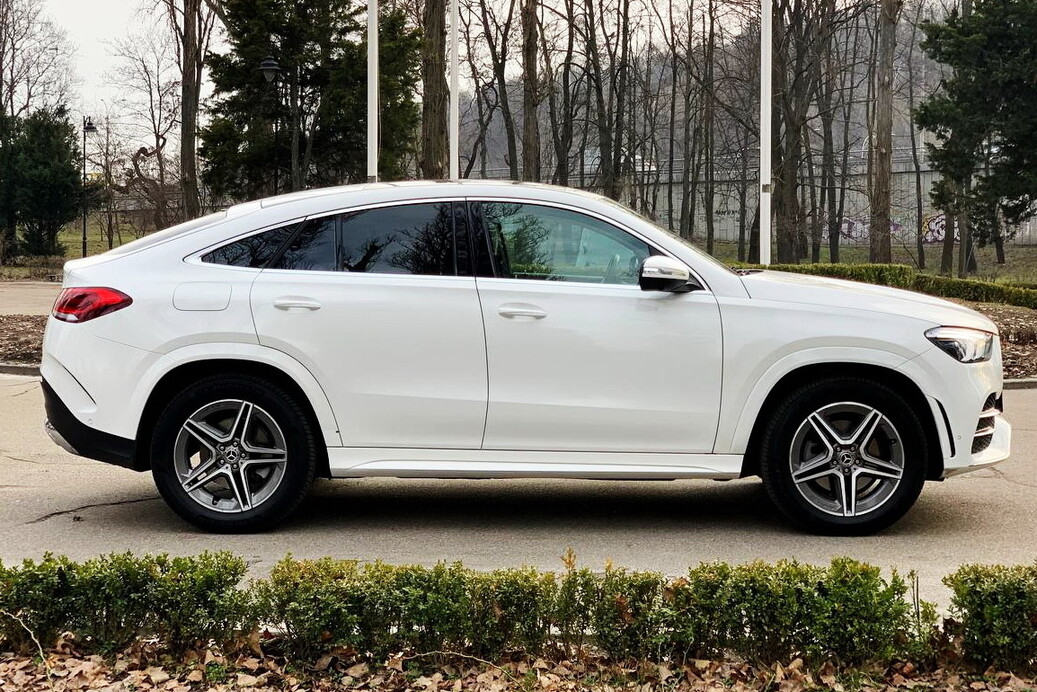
[
  {"x": 190, "y": 90},
  {"x": 530, "y": 126},
  {"x": 882, "y": 153},
  {"x": 434, "y": 155},
  {"x": 919, "y": 219},
  {"x": 709, "y": 184}
]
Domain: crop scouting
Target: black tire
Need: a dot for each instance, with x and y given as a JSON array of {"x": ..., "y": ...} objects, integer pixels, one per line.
[
  {"x": 279, "y": 420},
  {"x": 813, "y": 505}
]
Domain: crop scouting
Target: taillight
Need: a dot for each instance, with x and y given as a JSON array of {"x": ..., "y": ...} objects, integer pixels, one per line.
[{"x": 82, "y": 304}]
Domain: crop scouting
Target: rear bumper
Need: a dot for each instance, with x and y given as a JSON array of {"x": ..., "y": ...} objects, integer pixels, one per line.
[{"x": 80, "y": 439}]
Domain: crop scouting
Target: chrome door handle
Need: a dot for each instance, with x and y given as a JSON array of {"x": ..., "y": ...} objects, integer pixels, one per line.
[
  {"x": 296, "y": 304},
  {"x": 511, "y": 310}
]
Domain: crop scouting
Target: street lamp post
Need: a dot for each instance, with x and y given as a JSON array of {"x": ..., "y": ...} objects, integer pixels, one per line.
[
  {"x": 372, "y": 91},
  {"x": 88, "y": 129},
  {"x": 270, "y": 71}
]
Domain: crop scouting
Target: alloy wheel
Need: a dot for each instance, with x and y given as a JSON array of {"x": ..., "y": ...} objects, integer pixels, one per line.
[
  {"x": 230, "y": 456},
  {"x": 847, "y": 459}
]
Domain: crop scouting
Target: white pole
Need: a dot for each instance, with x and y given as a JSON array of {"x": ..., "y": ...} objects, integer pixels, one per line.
[
  {"x": 765, "y": 131},
  {"x": 372, "y": 90},
  {"x": 455, "y": 74}
]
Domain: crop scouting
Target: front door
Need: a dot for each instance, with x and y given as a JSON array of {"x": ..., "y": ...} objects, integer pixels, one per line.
[
  {"x": 579, "y": 358},
  {"x": 381, "y": 306}
]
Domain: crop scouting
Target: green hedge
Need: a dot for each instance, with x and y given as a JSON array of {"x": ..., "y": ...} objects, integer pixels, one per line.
[
  {"x": 113, "y": 601},
  {"x": 845, "y": 612},
  {"x": 997, "y": 610},
  {"x": 896, "y": 275},
  {"x": 901, "y": 276}
]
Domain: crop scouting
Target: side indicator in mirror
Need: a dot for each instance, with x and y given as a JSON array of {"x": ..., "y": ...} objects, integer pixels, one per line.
[{"x": 660, "y": 273}]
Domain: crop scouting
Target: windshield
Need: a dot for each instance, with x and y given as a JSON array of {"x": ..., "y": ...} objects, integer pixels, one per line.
[{"x": 169, "y": 233}]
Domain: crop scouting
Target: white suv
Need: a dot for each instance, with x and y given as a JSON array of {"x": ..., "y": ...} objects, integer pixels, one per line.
[{"x": 481, "y": 330}]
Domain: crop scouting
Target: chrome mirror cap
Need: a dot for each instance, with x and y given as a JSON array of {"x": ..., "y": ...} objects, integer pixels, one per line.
[{"x": 661, "y": 273}]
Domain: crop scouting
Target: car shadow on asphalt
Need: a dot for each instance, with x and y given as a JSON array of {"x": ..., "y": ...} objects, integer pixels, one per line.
[
  {"x": 734, "y": 506},
  {"x": 425, "y": 507}
]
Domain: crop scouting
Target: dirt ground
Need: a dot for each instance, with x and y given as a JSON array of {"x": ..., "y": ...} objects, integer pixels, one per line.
[
  {"x": 1018, "y": 327},
  {"x": 21, "y": 337}
]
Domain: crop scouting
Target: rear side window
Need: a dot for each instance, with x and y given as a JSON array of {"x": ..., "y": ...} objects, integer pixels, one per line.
[
  {"x": 255, "y": 251},
  {"x": 313, "y": 249},
  {"x": 405, "y": 239}
]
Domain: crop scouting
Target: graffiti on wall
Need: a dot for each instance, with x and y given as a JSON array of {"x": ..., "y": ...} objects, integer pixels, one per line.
[{"x": 934, "y": 227}]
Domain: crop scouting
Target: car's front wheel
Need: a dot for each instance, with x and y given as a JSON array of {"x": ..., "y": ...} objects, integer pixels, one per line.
[
  {"x": 233, "y": 454},
  {"x": 844, "y": 456}
]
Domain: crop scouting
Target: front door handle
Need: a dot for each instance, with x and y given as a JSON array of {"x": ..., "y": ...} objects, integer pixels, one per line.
[
  {"x": 293, "y": 303},
  {"x": 512, "y": 310}
]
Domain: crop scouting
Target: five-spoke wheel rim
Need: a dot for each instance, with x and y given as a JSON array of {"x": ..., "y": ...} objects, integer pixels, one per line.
[
  {"x": 847, "y": 459},
  {"x": 230, "y": 456}
]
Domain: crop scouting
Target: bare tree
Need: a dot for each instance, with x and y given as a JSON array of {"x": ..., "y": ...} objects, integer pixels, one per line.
[
  {"x": 35, "y": 59},
  {"x": 107, "y": 154},
  {"x": 149, "y": 81},
  {"x": 497, "y": 33}
]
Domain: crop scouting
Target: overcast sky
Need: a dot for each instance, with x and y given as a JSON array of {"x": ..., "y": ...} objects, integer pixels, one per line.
[{"x": 90, "y": 23}]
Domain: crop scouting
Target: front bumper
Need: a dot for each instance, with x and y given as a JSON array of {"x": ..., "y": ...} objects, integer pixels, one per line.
[{"x": 80, "y": 439}]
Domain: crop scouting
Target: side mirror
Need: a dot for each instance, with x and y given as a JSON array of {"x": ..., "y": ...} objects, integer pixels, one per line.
[{"x": 661, "y": 273}]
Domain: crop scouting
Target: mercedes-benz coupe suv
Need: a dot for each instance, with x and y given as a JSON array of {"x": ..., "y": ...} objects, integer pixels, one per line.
[{"x": 502, "y": 330}]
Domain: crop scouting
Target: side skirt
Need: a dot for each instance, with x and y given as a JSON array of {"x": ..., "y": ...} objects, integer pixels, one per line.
[{"x": 353, "y": 462}]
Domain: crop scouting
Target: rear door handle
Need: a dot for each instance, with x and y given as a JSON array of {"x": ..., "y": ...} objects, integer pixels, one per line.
[
  {"x": 512, "y": 310},
  {"x": 292, "y": 303}
]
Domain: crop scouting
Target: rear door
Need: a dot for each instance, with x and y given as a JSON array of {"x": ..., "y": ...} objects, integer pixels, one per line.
[{"x": 381, "y": 305}]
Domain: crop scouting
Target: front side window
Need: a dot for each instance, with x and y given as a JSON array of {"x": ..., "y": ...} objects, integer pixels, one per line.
[
  {"x": 535, "y": 242},
  {"x": 405, "y": 239},
  {"x": 255, "y": 251}
]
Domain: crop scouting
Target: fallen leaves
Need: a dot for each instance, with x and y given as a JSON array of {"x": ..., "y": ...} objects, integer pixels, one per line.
[
  {"x": 195, "y": 672},
  {"x": 21, "y": 338},
  {"x": 1018, "y": 327}
]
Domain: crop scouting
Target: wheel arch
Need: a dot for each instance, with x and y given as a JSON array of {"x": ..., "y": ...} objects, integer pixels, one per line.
[
  {"x": 174, "y": 381},
  {"x": 895, "y": 380}
]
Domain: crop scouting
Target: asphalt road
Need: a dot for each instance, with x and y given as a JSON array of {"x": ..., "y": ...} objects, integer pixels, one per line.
[{"x": 52, "y": 501}]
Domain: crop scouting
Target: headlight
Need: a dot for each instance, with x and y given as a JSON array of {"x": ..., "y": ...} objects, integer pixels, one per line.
[{"x": 963, "y": 344}]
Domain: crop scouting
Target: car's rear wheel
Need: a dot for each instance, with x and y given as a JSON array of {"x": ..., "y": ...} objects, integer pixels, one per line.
[
  {"x": 233, "y": 454},
  {"x": 844, "y": 456}
]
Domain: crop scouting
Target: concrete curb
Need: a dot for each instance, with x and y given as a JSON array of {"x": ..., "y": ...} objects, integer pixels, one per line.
[
  {"x": 34, "y": 371},
  {"x": 16, "y": 369}
]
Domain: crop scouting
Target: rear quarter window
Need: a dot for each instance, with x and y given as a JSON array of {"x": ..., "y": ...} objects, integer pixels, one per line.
[{"x": 255, "y": 251}]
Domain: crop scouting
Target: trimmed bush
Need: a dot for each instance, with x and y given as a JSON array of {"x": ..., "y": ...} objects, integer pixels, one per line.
[
  {"x": 625, "y": 613},
  {"x": 38, "y": 599},
  {"x": 997, "y": 608},
  {"x": 979, "y": 291},
  {"x": 511, "y": 610},
  {"x": 846, "y": 612},
  {"x": 196, "y": 600},
  {"x": 761, "y": 612},
  {"x": 896, "y": 275},
  {"x": 113, "y": 601},
  {"x": 769, "y": 613}
]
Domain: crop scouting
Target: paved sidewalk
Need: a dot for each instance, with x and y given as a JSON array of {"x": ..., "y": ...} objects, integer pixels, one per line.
[{"x": 27, "y": 297}]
